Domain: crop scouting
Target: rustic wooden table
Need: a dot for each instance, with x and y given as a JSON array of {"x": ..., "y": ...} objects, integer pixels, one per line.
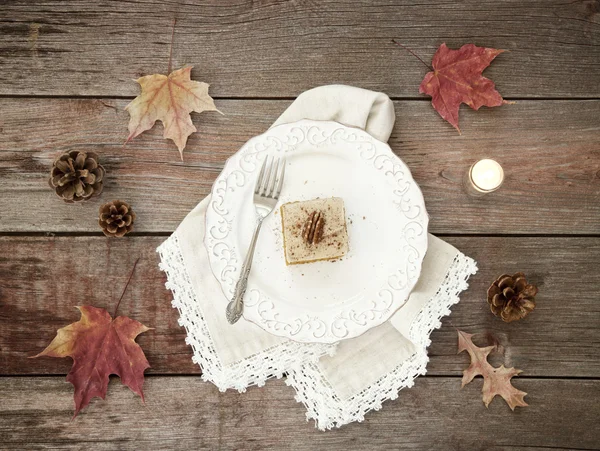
[{"x": 66, "y": 71}]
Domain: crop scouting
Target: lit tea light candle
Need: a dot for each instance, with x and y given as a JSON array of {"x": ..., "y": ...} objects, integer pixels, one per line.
[{"x": 486, "y": 176}]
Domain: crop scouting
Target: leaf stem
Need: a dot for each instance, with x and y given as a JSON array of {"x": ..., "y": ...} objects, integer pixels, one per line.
[
  {"x": 126, "y": 285},
  {"x": 412, "y": 53},
  {"x": 171, "y": 49}
]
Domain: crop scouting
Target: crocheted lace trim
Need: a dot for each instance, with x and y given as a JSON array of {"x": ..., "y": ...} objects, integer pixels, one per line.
[
  {"x": 328, "y": 410},
  {"x": 255, "y": 369},
  {"x": 312, "y": 388}
]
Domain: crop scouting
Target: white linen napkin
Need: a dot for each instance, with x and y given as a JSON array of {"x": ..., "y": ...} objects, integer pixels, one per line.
[{"x": 337, "y": 384}]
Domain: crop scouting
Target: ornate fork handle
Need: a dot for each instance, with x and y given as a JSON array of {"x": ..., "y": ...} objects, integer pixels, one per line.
[{"x": 236, "y": 306}]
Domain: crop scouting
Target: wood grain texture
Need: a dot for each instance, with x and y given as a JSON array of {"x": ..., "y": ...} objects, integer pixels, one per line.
[
  {"x": 186, "y": 413},
  {"x": 550, "y": 151},
  {"x": 267, "y": 48},
  {"x": 255, "y": 54},
  {"x": 43, "y": 278}
]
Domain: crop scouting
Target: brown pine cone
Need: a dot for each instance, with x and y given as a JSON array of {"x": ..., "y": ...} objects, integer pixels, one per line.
[
  {"x": 511, "y": 297},
  {"x": 116, "y": 218},
  {"x": 77, "y": 176}
]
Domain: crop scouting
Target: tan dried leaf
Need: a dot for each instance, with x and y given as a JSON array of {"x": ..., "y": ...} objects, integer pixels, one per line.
[
  {"x": 496, "y": 381},
  {"x": 169, "y": 99}
]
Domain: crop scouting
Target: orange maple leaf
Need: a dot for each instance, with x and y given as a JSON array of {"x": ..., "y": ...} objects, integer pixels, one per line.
[
  {"x": 496, "y": 381},
  {"x": 169, "y": 99},
  {"x": 100, "y": 346},
  {"x": 456, "y": 78}
]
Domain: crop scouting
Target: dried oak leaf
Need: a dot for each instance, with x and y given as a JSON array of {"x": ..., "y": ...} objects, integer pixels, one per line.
[
  {"x": 496, "y": 381},
  {"x": 456, "y": 79},
  {"x": 169, "y": 99},
  {"x": 100, "y": 346}
]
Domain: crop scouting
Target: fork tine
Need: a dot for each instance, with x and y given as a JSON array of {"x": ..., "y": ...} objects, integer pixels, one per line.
[
  {"x": 272, "y": 184},
  {"x": 277, "y": 192},
  {"x": 265, "y": 182},
  {"x": 260, "y": 176}
]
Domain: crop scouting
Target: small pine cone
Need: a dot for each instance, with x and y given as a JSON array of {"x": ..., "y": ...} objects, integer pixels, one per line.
[
  {"x": 511, "y": 297},
  {"x": 116, "y": 218},
  {"x": 77, "y": 176}
]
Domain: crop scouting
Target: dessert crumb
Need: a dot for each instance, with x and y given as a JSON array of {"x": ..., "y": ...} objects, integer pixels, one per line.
[{"x": 364, "y": 217}]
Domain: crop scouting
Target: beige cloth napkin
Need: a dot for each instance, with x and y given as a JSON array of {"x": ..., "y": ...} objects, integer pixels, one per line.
[{"x": 340, "y": 385}]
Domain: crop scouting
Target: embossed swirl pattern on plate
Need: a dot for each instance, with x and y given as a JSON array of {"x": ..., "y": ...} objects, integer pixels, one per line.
[{"x": 226, "y": 259}]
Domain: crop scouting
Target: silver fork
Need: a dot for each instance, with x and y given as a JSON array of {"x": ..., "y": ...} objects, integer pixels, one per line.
[{"x": 266, "y": 194}]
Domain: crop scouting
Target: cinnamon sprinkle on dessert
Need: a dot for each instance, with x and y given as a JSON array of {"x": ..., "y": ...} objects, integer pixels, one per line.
[{"x": 314, "y": 230}]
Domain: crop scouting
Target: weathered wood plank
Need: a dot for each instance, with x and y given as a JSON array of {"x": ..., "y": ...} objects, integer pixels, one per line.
[
  {"x": 186, "y": 413},
  {"x": 269, "y": 48},
  {"x": 42, "y": 279},
  {"x": 550, "y": 151}
]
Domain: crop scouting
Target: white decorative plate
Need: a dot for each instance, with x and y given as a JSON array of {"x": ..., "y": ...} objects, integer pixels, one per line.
[{"x": 387, "y": 228}]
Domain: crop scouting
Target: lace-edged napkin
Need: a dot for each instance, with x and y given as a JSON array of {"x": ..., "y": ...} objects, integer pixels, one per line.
[{"x": 339, "y": 383}]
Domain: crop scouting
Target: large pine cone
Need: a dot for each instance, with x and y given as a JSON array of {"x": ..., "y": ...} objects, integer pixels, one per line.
[
  {"x": 77, "y": 176},
  {"x": 511, "y": 297},
  {"x": 116, "y": 218}
]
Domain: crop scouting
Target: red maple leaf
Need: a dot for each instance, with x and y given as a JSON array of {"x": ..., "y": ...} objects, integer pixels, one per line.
[
  {"x": 100, "y": 346},
  {"x": 456, "y": 78}
]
